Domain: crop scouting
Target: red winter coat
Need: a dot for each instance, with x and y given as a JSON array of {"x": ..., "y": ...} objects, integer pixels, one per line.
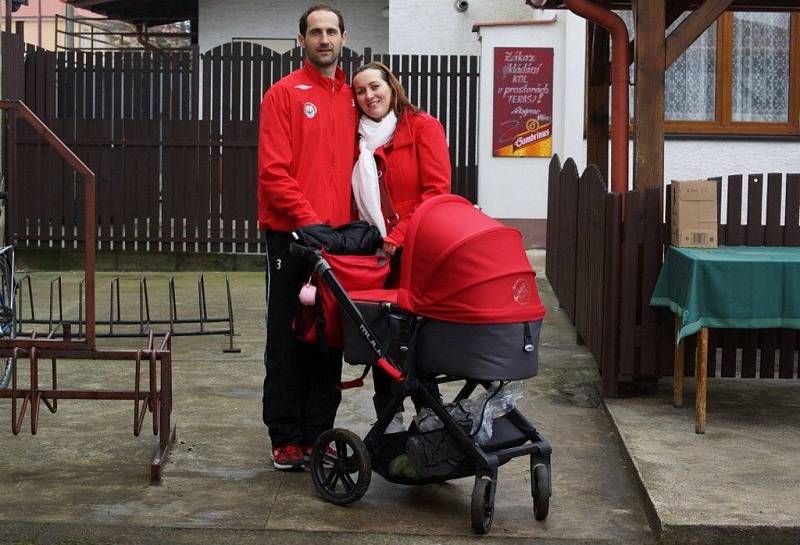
[
  {"x": 307, "y": 128},
  {"x": 415, "y": 166}
]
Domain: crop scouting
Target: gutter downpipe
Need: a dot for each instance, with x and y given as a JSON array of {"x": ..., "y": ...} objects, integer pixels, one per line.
[{"x": 619, "y": 86}]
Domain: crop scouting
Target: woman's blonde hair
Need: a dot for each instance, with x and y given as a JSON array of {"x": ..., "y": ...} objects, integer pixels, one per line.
[{"x": 399, "y": 100}]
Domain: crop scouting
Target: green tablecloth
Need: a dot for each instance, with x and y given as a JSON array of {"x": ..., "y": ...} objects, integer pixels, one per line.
[{"x": 731, "y": 287}]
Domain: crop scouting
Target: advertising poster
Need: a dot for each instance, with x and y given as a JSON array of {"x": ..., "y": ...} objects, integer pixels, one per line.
[{"x": 523, "y": 102}]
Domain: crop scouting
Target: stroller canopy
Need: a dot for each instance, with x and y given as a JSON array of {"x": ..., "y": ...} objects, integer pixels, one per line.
[{"x": 460, "y": 265}]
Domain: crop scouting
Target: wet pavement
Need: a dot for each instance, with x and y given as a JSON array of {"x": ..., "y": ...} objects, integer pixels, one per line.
[
  {"x": 625, "y": 471},
  {"x": 84, "y": 477}
]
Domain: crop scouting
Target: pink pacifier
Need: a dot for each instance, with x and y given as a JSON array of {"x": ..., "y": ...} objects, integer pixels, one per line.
[{"x": 308, "y": 294}]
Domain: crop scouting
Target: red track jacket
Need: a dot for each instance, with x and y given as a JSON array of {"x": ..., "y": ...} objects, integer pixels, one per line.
[
  {"x": 415, "y": 166},
  {"x": 306, "y": 135}
]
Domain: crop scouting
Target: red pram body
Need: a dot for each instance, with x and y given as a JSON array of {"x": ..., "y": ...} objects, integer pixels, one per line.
[{"x": 469, "y": 277}]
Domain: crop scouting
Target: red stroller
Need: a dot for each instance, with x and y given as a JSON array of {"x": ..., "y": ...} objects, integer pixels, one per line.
[{"x": 467, "y": 309}]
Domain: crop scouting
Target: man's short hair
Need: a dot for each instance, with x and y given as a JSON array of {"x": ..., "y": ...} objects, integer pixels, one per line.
[{"x": 319, "y": 7}]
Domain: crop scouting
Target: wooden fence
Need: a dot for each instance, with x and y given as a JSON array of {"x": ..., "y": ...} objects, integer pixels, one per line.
[
  {"x": 173, "y": 139},
  {"x": 603, "y": 271}
]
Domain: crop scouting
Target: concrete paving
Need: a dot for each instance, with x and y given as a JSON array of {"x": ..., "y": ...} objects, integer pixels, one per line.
[
  {"x": 84, "y": 477},
  {"x": 737, "y": 483},
  {"x": 617, "y": 464}
]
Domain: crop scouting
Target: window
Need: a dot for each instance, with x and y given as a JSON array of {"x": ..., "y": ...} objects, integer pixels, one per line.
[{"x": 742, "y": 76}]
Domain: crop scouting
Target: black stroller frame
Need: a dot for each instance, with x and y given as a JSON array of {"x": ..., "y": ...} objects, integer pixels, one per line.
[{"x": 339, "y": 454}]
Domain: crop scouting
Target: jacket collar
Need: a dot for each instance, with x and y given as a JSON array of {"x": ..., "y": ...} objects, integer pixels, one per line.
[
  {"x": 336, "y": 83},
  {"x": 402, "y": 134}
]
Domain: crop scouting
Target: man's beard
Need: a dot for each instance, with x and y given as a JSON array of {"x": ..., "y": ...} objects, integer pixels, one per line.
[{"x": 316, "y": 60}]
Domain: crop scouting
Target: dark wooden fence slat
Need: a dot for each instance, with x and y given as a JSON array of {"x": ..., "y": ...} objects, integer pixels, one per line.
[
  {"x": 632, "y": 236},
  {"x": 788, "y": 346},
  {"x": 610, "y": 362},
  {"x": 735, "y": 230},
  {"x": 137, "y": 86},
  {"x": 755, "y": 231},
  {"x": 773, "y": 235},
  {"x": 768, "y": 347},
  {"x": 749, "y": 344},
  {"x": 108, "y": 89},
  {"x": 247, "y": 73},
  {"x": 41, "y": 81},
  {"x": 225, "y": 89},
  {"x": 568, "y": 222},
  {"x": 461, "y": 115},
  {"x": 444, "y": 83},
  {"x": 433, "y": 103},
  {"x": 118, "y": 70},
  {"x": 651, "y": 255},
  {"x": 236, "y": 81},
  {"x": 792, "y": 217},
  {"x": 551, "y": 258}
]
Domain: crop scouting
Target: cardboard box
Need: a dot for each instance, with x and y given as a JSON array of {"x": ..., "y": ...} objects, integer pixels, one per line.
[{"x": 694, "y": 214}]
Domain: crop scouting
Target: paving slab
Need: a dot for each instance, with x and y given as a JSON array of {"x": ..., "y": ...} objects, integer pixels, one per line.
[
  {"x": 737, "y": 483},
  {"x": 84, "y": 477}
]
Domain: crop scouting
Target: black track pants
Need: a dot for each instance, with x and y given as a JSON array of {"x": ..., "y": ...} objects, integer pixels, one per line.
[{"x": 301, "y": 393}]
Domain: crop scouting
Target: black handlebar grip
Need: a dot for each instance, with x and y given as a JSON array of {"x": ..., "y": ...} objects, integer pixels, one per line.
[{"x": 309, "y": 255}]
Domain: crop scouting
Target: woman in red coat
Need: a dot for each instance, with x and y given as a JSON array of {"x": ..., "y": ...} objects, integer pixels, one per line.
[
  {"x": 399, "y": 144},
  {"x": 403, "y": 160}
]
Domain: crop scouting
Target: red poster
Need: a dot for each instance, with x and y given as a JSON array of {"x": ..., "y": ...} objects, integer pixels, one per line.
[{"x": 523, "y": 102}]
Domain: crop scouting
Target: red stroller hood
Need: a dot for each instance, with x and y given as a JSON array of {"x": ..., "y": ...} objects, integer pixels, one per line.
[{"x": 460, "y": 265}]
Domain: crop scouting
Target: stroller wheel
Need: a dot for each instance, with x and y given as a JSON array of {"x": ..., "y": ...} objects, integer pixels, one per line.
[
  {"x": 482, "y": 508},
  {"x": 541, "y": 491},
  {"x": 340, "y": 466}
]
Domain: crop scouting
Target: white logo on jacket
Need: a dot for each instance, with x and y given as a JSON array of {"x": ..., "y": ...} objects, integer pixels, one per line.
[
  {"x": 302, "y": 87},
  {"x": 310, "y": 109}
]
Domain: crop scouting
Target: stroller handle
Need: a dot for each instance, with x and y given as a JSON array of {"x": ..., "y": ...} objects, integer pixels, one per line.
[{"x": 309, "y": 255}]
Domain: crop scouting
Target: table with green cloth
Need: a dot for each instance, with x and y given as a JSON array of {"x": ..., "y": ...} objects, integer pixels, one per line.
[{"x": 750, "y": 287}]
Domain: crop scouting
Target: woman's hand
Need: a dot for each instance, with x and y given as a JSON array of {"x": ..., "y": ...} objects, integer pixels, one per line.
[{"x": 389, "y": 248}]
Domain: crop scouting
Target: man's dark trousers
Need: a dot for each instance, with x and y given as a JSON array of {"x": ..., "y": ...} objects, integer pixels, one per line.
[{"x": 301, "y": 393}]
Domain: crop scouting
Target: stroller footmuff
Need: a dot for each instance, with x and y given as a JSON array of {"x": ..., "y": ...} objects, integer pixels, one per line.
[{"x": 467, "y": 310}]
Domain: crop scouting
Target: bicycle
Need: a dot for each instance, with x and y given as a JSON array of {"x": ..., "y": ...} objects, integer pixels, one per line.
[{"x": 8, "y": 322}]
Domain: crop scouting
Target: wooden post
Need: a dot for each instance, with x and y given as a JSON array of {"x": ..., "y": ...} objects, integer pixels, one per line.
[
  {"x": 648, "y": 143},
  {"x": 677, "y": 374},
  {"x": 597, "y": 47},
  {"x": 701, "y": 367}
]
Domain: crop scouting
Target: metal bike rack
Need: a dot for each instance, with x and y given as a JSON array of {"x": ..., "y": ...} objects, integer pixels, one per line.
[
  {"x": 157, "y": 397},
  {"x": 118, "y": 327}
]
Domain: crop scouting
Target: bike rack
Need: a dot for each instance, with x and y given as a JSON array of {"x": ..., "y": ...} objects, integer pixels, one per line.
[
  {"x": 158, "y": 396},
  {"x": 116, "y": 326}
]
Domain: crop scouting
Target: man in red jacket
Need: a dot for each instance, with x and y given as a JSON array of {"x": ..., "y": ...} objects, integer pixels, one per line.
[{"x": 307, "y": 131}]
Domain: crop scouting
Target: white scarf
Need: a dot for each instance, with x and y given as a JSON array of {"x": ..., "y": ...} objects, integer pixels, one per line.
[{"x": 366, "y": 191}]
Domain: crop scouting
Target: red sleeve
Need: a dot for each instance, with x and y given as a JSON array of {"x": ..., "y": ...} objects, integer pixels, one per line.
[
  {"x": 434, "y": 169},
  {"x": 275, "y": 183}
]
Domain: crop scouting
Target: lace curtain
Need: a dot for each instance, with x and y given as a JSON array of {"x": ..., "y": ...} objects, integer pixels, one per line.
[
  {"x": 691, "y": 81},
  {"x": 761, "y": 67},
  {"x": 760, "y": 71}
]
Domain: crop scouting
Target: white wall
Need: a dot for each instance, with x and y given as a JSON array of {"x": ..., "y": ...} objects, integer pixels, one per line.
[
  {"x": 516, "y": 187},
  {"x": 697, "y": 159},
  {"x": 221, "y": 20},
  {"x": 701, "y": 158},
  {"x": 435, "y": 27}
]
